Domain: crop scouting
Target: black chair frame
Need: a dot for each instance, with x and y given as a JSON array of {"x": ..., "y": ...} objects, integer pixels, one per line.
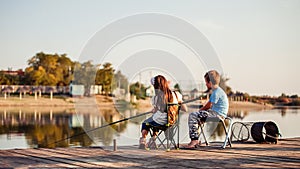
[
  {"x": 170, "y": 132},
  {"x": 218, "y": 119}
]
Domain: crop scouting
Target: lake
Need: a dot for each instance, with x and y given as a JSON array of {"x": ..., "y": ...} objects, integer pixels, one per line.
[{"x": 48, "y": 128}]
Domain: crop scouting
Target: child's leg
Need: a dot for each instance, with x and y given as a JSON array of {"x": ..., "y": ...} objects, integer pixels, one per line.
[{"x": 194, "y": 119}]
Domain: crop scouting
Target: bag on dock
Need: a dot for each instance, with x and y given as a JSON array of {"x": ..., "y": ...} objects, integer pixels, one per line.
[{"x": 260, "y": 132}]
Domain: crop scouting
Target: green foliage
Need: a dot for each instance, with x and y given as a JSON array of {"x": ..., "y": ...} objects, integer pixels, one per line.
[
  {"x": 177, "y": 87},
  {"x": 85, "y": 74},
  {"x": 295, "y": 102},
  {"x": 105, "y": 77},
  {"x": 283, "y": 95},
  {"x": 139, "y": 90},
  {"x": 48, "y": 70},
  {"x": 120, "y": 81},
  {"x": 88, "y": 74},
  {"x": 294, "y": 96},
  {"x": 271, "y": 101},
  {"x": 224, "y": 86},
  {"x": 9, "y": 79}
]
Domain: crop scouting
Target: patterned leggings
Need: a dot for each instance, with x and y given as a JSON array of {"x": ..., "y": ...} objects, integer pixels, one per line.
[{"x": 195, "y": 118}]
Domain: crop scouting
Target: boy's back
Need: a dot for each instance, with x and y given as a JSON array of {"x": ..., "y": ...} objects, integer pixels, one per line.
[{"x": 220, "y": 101}]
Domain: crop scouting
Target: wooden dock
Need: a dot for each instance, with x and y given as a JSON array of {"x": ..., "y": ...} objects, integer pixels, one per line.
[{"x": 285, "y": 154}]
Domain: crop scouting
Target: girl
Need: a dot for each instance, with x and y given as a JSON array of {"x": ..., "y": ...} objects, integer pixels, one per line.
[{"x": 163, "y": 95}]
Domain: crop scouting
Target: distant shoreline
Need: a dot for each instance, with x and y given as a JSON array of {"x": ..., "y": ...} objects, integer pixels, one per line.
[
  {"x": 102, "y": 101},
  {"x": 31, "y": 101},
  {"x": 249, "y": 105}
]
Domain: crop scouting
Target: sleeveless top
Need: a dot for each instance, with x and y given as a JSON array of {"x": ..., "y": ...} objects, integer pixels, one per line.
[{"x": 161, "y": 117}]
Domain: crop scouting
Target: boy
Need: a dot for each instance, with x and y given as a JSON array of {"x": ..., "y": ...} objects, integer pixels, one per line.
[{"x": 216, "y": 106}]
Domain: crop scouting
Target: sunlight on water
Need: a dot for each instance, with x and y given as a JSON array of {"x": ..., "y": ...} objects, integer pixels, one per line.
[
  {"x": 34, "y": 129},
  {"x": 12, "y": 141}
]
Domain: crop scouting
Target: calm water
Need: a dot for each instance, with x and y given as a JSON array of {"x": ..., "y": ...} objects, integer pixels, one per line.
[{"x": 25, "y": 129}]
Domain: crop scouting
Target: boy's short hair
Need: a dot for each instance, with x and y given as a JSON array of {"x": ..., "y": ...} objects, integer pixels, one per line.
[{"x": 213, "y": 76}]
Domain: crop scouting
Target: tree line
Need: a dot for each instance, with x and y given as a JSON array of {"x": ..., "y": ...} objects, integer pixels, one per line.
[{"x": 59, "y": 70}]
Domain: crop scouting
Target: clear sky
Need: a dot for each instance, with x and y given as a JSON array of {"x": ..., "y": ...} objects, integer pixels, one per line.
[{"x": 257, "y": 41}]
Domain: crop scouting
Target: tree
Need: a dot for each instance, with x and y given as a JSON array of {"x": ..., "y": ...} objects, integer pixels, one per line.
[
  {"x": 105, "y": 77},
  {"x": 224, "y": 86},
  {"x": 36, "y": 76},
  {"x": 66, "y": 65},
  {"x": 6, "y": 79},
  {"x": 85, "y": 74},
  {"x": 138, "y": 89},
  {"x": 48, "y": 69},
  {"x": 294, "y": 96},
  {"x": 120, "y": 81},
  {"x": 177, "y": 87}
]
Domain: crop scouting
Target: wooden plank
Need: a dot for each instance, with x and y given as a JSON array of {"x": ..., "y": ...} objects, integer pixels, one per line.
[
  {"x": 38, "y": 155},
  {"x": 16, "y": 160},
  {"x": 248, "y": 155},
  {"x": 96, "y": 157}
]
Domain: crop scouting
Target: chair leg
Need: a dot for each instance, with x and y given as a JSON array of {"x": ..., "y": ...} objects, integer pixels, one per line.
[
  {"x": 169, "y": 138},
  {"x": 161, "y": 142},
  {"x": 202, "y": 132},
  {"x": 154, "y": 137},
  {"x": 152, "y": 143},
  {"x": 175, "y": 130},
  {"x": 227, "y": 132},
  {"x": 177, "y": 134}
]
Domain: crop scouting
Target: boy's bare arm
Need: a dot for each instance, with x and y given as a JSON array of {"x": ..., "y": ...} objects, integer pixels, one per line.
[{"x": 207, "y": 106}]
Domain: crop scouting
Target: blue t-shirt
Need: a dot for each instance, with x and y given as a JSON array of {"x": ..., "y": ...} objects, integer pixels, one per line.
[{"x": 219, "y": 101}]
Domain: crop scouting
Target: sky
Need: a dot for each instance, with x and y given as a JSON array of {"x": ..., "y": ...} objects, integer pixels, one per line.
[{"x": 256, "y": 41}]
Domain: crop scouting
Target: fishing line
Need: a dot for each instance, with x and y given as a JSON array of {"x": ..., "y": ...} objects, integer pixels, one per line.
[{"x": 125, "y": 119}]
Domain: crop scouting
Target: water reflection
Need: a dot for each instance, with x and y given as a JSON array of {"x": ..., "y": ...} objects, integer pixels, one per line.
[
  {"x": 42, "y": 129},
  {"x": 65, "y": 128},
  {"x": 50, "y": 128},
  {"x": 104, "y": 134}
]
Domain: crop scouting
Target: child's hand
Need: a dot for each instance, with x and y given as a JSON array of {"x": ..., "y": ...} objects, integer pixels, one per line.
[{"x": 154, "y": 110}]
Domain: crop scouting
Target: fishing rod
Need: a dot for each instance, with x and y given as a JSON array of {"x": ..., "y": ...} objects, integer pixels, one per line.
[
  {"x": 112, "y": 123},
  {"x": 192, "y": 100},
  {"x": 115, "y": 122}
]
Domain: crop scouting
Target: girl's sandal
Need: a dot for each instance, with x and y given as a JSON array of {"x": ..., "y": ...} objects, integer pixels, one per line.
[{"x": 142, "y": 143}]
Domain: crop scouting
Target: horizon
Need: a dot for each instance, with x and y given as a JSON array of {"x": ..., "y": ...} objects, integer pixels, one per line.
[{"x": 255, "y": 41}]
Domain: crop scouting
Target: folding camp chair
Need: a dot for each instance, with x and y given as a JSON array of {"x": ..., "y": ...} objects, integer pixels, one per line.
[
  {"x": 166, "y": 133},
  {"x": 227, "y": 131}
]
